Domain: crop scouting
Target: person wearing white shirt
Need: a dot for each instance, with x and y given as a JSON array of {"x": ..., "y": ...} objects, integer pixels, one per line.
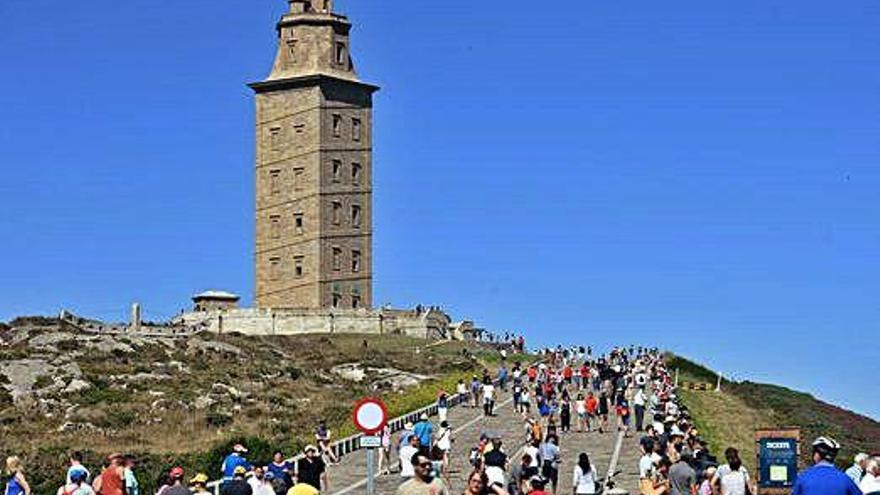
[
  {"x": 870, "y": 482},
  {"x": 407, "y": 470},
  {"x": 584, "y": 479},
  {"x": 488, "y": 398}
]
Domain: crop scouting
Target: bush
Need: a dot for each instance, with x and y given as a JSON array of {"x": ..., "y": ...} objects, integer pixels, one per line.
[
  {"x": 34, "y": 321},
  {"x": 101, "y": 393},
  {"x": 218, "y": 419}
]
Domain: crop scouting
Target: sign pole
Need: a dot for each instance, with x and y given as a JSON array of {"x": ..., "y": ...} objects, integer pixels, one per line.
[
  {"x": 370, "y": 416},
  {"x": 371, "y": 454}
]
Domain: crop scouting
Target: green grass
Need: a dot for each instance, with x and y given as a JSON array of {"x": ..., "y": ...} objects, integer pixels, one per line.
[{"x": 730, "y": 417}]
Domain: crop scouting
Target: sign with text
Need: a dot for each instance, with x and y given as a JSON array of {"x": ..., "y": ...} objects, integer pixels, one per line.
[{"x": 777, "y": 460}]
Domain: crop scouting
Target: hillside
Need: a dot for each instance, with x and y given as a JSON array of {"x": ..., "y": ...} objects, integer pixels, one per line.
[
  {"x": 185, "y": 400},
  {"x": 730, "y": 417}
]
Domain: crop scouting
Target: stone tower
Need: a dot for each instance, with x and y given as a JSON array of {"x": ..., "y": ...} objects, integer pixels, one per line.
[{"x": 314, "y": 168}]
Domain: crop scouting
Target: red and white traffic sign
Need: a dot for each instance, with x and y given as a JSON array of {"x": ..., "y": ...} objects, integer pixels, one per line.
[{"x": 370, "y": 415}]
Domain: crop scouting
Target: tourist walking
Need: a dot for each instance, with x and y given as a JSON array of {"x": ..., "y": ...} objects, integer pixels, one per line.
[
  {"x": 16, "y": 483},
  {"x": 77, "y": 483},
  {"x": 824, "y": 478},
  {"x": 76, "y": 464},
  {"x": 112, "y": 479},
  {"x": 237, "y": 486},
  {"x": 312, "y": 470},
  {"x": 178, "y": 487},
  {"x": 478, "y": 484},
  {"x": 732, "y": 478},
  {"x": 857, "y": 470},
  {"x": 234, "y": 460},
  {"x": 422, "y": 483},
  {"x": 488, "y": 397},
  {"x": 550, "y": 460},
  {"x": 385, "y": 451},
  {"x": 682, "y": 477},
  {"x": 584, "y": 478}
]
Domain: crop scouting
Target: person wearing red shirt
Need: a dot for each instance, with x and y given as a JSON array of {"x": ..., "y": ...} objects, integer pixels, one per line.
[
  {"x": 538, "y": 483},
  {"x": 532, "y": 373},
  {"x": 567, "y": 373},
  {"x": 592, "y": 405}
]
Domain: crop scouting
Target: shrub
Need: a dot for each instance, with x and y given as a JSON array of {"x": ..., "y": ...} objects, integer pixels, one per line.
[{"x": 218, "y": 419}]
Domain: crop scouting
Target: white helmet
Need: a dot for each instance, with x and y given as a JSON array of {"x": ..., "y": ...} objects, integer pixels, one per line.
[{"x": 827, "y": 447}]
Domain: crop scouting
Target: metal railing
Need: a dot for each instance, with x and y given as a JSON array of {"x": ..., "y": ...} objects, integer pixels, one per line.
[{"x": 351, "y": 443}]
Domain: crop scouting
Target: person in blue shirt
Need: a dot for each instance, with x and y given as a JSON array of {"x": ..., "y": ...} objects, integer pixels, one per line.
[
  {"x": 234, "y": 460},
  {"x": 425, "y": 431},
  {"x": 502, "y": 377},
  {"x": 824, "y": 478},
  {"x": 281, "y": 469}
]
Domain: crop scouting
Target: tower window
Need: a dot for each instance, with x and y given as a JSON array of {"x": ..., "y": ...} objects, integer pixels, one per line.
[
  {"x": 275, "y": 226},
  {"x": 274, "y": 181},
  {"x": 340, "y": 53},
  {"x": 337, "y": 258},
  {"x": 355, "y": 261},
  {"x": 356, "y": 129},
  {"x": 298, "y": 268},
  {"x": 355, "y": 296},
  {"x": 355, "y": 216},
  {"x": 291, "y": 51},
  {"x": 337, "y": 124},
  {"x": 337, "y": 170},
  {"x": 275, "y": 138},
  {"x": 356, "y": 173},
  {"x": 298, "y": 223},
  {"x": 337, "y": 210},
  {"x": 274, "y": 268},
  {"x": 298, "y": 178},
  {"x": 336, "y": 296}
]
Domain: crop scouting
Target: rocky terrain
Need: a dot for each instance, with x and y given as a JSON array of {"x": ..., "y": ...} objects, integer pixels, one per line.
[{"x": 164, "y": 397}]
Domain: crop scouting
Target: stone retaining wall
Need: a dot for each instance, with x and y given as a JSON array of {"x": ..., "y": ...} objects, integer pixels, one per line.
[{"x": 430, "y": 324}]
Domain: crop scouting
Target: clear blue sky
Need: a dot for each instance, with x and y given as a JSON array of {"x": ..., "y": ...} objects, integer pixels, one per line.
[{"x": 698, "y": 175}]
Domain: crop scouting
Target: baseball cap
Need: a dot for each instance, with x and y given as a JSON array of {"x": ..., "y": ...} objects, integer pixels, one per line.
[
  {"x": 240, "y": 470},
  {"x": 78, "y": 474},
  {"x": 199, "y": 478},
  {"x": 239, "y": 448},
  {"x": 177, "y": 472}
]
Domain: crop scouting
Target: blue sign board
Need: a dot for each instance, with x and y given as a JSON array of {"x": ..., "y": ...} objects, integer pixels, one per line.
[{"x": 778, "y": 458}]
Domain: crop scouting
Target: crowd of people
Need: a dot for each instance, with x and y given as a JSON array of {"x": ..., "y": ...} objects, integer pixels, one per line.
[
  {"x": 569, "y": 389},
  {"x": 676, "y": 460},
  {"x": 627, "y": 391}
]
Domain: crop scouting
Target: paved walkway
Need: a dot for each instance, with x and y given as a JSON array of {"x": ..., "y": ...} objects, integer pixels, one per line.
[{"x": 349, "y": 477}]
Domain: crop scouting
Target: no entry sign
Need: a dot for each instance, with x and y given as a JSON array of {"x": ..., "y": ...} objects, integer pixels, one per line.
[{"x": 370, "y": 415}]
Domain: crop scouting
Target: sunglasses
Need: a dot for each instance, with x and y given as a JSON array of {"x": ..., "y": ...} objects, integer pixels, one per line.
[{"x": 425, "y": 464}]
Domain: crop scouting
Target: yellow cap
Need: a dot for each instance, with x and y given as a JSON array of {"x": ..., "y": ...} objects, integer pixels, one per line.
[
  {"x": 199, "y": 478},
  {"x": 303, "y": 489}
]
